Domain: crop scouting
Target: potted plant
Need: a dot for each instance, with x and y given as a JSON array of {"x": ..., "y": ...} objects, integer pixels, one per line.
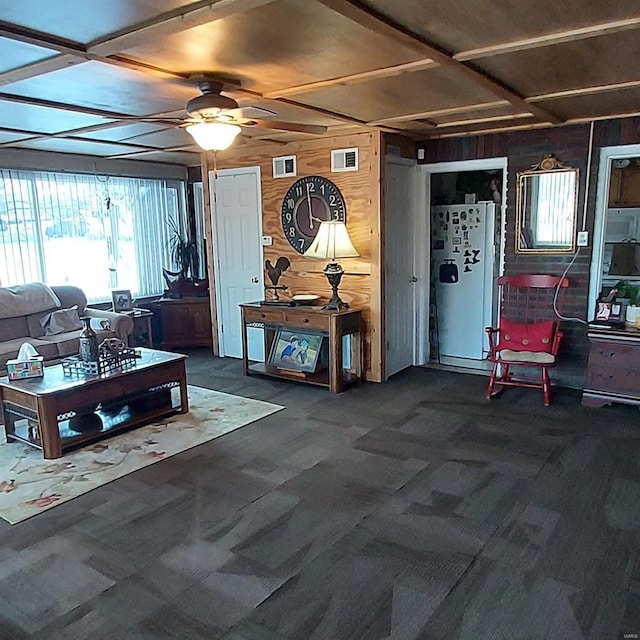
[
  {"x": 631, "y": 293},
  {"x": 184, "y": 252},
  {"x": 185, "y": 257}
]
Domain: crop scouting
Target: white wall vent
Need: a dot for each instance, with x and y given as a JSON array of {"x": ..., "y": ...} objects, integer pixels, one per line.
[
  {"x": 284, "y": 166},
  {"x": 344, "y": 160}
]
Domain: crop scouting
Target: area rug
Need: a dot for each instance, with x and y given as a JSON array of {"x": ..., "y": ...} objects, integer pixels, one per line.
[{"x": 30, "y": 485}]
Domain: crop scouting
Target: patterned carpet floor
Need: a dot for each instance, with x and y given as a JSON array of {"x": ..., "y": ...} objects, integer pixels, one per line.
[{"x": 29, "y": 484}]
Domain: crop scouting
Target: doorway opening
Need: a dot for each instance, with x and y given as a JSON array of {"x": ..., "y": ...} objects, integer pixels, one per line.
[{"x": 465, "y": 211}]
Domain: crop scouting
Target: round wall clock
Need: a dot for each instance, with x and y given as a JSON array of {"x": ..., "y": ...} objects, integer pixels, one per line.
[{"x": 308, "y": 202}]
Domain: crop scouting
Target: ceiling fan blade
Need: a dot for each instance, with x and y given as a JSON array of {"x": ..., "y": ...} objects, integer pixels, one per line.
[
  {"x": 247, "y": 113},
  {"x": 291, "y": 126}
]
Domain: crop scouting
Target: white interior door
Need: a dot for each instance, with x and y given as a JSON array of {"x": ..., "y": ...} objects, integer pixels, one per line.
[
  {"x": 399, "y": 276},
  {"x": 236, "y": 210}
]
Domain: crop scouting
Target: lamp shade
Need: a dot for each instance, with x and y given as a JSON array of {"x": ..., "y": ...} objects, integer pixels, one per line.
[
  {"x": 213, "y": 136},
  {"x": 332, "y": 241}
]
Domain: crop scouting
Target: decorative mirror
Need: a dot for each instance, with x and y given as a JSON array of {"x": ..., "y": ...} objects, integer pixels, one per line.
[{"x": 546, "y": 208}]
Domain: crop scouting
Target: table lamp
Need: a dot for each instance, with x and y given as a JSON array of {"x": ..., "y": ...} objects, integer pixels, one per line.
[{"x": 331, "y": 242}]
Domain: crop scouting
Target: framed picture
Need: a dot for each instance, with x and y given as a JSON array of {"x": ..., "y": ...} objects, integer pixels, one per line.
[
  {"x": 122, "y": 300},
  {"x": 296, "y": 351}
]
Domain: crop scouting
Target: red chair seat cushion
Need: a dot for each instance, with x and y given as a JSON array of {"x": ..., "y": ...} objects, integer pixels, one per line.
[{"x": 517, "y": 336}]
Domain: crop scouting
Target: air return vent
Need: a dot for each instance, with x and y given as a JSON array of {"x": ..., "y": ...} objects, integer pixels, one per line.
[
  {"x": 284, "y": 166},
  {"x": 344, "y": 160}
]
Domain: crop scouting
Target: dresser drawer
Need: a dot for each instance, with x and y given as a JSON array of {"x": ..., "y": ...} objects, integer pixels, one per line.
[
  {"x": 614, "y": 379},
  {"x": 614, "y": 354}
]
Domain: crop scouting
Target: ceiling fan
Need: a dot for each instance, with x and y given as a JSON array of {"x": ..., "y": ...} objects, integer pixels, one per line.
[{"x": 214, "y": 120}]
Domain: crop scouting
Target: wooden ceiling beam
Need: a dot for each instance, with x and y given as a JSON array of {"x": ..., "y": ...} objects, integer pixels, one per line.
[
  {"x": 40, "y": 67},
  {"x": 354, "y": 78},
  {"x": 40, "y": 39},
  {"x": 170, "y": 22},
  {"x": 379, "y": 23},
  {"x": 426, "y": 115},
  {"x": 585, "y": 91},
  {"x": 550, "y": 39}
]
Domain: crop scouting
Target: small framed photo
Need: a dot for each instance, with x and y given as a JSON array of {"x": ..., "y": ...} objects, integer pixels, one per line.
[
  {"x": 296, "y": 351},
  {"x": 122, "y": 300}
]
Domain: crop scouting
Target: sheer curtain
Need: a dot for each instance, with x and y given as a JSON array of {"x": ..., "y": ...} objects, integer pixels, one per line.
[{"x": 96, "y": 232}]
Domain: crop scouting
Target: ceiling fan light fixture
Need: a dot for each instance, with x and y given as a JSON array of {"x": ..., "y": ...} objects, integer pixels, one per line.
[{"x": 213, "y": 136}]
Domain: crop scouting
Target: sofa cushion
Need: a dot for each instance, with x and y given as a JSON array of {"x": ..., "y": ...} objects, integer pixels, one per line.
[
  {"x": 68, "y": 343},
  {"x": 60, "y": 321},
  {"x": 9, "y": 349},
  {"x": 14, "y": 328},
  {"x": 24, "y": 299},
  {"x": 70, "y": 296}
]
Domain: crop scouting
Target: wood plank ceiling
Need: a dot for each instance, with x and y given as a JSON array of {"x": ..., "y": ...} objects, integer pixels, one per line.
[{"x": 81, "y": 77}]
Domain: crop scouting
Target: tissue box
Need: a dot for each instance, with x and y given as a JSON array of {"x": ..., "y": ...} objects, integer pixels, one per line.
[{"x": 32, "y": 368}]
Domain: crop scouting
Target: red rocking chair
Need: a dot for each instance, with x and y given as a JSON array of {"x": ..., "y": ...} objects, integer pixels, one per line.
[{"x": 529, "y": 331}]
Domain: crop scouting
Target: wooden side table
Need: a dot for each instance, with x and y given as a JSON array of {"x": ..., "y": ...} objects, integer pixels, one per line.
[{"x": 142, "y": 335}]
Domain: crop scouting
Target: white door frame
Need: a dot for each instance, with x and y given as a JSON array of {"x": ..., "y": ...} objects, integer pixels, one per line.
[
  {"x": 607, "y": 154},
  {"x": 216, "y": 246},
  {"x": 423, "y": 238}
]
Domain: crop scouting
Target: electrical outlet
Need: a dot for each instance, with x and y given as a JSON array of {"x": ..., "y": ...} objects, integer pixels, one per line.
[{"x": 583, "y": 238}]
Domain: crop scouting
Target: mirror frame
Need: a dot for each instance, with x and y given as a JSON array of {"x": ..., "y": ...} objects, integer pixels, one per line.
[{"x": 549, "y": 164}]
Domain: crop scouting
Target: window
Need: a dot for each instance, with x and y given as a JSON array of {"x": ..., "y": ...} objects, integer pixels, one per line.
[{"x": 96, "y": 232}]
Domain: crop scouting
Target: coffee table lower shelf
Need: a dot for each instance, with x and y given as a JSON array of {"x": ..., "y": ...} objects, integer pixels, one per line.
[{"x": 93, "y": 426}]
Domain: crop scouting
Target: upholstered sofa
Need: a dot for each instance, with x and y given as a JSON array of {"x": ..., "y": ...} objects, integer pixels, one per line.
[{"x": 48, "y": 318}]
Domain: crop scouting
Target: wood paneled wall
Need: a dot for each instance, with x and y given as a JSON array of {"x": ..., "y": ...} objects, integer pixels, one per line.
[
  {"x": 523, "y": 148},
  {"x": 361, "y": 284}
]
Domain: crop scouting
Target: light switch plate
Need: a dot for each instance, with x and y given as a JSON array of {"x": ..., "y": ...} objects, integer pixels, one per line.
[{"x": 583, "y": 238}]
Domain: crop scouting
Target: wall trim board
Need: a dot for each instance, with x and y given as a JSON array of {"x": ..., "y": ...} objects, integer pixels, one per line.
[{"x": 376, "y": 199}]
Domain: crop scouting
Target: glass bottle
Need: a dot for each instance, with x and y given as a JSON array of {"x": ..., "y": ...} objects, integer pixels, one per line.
[{"x": 88, "y": 342}]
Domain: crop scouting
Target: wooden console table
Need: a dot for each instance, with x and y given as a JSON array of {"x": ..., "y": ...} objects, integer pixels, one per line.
[
  {"x": 613, "y": 373},
  {"x": 332, "y": 324}
]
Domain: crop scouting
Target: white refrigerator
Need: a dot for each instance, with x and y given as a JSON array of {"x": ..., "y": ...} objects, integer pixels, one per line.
[{"x": 463, "y": 252}]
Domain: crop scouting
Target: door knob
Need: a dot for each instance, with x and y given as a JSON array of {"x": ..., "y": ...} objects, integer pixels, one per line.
[{"x": 254, "y": 280}]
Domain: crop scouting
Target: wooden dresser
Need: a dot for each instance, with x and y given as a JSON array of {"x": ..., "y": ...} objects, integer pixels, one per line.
[
  {"x": 613, "y": 373},
  {"x": 184, "y": 322}
]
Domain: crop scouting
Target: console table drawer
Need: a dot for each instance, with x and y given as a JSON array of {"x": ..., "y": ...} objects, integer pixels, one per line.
[
  {"x": 302, "y": 320},
  {"x": 263, "y": 315}
]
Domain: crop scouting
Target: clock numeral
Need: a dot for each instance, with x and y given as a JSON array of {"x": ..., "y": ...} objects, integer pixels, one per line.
[
  {"x": 332, "y": 200},
  {"x": 292, "y": 232},
  {"x": 312, "y": 186},
  {"x": 299, "y": 191},
  {"x": 291, "y": 203},
  {"x": 301, "y": 242},
  {"x": 336, "y": 214},
  {"x": 322, "y": 186},
  {"x": 288, "y": 216}
]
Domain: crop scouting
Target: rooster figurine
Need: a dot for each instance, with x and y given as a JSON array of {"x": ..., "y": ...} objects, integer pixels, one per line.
[{"x": 274, "y": 273}]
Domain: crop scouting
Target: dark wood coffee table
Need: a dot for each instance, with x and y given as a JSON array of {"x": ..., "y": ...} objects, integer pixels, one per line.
[{"x": 63, "y": 411}]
